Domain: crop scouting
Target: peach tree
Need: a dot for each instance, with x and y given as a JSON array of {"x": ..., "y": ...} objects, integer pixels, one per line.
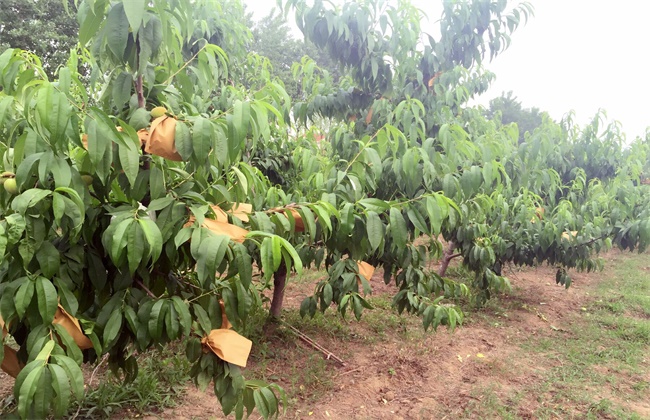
[{"x": 112, "y": 184}]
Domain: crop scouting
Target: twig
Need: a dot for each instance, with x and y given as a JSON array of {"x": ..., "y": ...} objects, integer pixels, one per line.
[
  {"x": 90, "y": 381},
  {"x": 101, "y": 362},
  {"x": 315, "y": 345},
  {"x": 145, "y": 288},
  {"x": 184, "y": 65},
  {"x": 349, "y": 371}
]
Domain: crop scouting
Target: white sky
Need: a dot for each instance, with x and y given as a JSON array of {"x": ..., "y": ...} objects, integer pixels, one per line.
[{"x": 578, "y": 55}]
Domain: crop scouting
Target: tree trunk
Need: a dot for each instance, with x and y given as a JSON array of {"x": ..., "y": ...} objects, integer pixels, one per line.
[
  {"x": 447, "y": 256},
  {"x": 279, "y": 283}
]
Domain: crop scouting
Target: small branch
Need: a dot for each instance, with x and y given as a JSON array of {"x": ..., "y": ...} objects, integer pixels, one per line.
[
  {"x": 362, "y": 149},
  {"x": 592, "y": 241},
  {"x": 329, "y": 355},
  {"x": 92, "y": 376},
  {"x": 90, "y": 382},
  {"x": 349, "y": 371},
  {"x": 145, "y": 288},
  {"x": 170, "y": 78},
  {"x": 447, "y": 256},
  {"x": 139, "y": 89}
]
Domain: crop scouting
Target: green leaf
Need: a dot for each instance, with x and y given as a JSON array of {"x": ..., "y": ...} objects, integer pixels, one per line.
[
  {"x": 160, "y": 203},
  {"x": 135, "y": 247},
  {"x": 24, "y": 296},
  {"x": 61, "y": 172},
  {"x": 71, "y": 348},
  {"x": 211, "y": 253},
  {"x": 153, "y": 236},
  {"x": 29, "y": 199},
  {"x": 271, "y": 400},
  {"x": 244, "y": 264},
  {"x": 47, "y": 299},
  {"x": 134, "y": 10},
  {"x": 324, "y": 218},
  {"x": 3, "y": 242},
  {"x": 117, "y": 30},
  {"x": 308, "y": 221},
  {"x": 149, "y": 37},
  {"x": 398, "y": 227},
  {"x": 66, "y": 297},
  {"x": 327, "y": 294},
  {"x": 202, "y": 318},
  {"x": 118, "y": 241},
  {"x": 295, "y": 258},
  {"x": 156, "y": 183},
  {"x": 261, "y": 404},
  {"x": 141, "y": 119},
  {"x": 172, "y": 326},
  {"x": 347, "y": 218},
  {"x": 77, "y": 201},
  {"x": 74, "y": 373},
  {"x": 53, "y": 112},
  {"x": 244, "y": 301},
  {"x": 92, "y": 20},
  {"x": 276, "y": 253},
  {"x": 122, "y": 88},
  {"x": 100, "y": 147},
  {"x": 184, "y": 315},
  {"x": 25, "y": 171},
  {"x": 112, "y": 328},
  {"x": 375, "y": 229},
  {"x": 266, "y": 255},
  {"x": 241, "y": 120},
  {"x": 202, "y": 138},
  {"x": 15, "y": 227},
  {"x": 157, "y": 319},
  {"x": 434, "y": 213},
  {"x": 374, "y": 204},
  {"x": 28, "y": 386},
  {"x": 418, "y": 221},
  {"x": 48, "y": 258},
  {"x": 61, "y": 387},
  {"x": 183, "y": 140},
  {"x": 183, "y": 236},
  {"x": 130, "y": 161}
]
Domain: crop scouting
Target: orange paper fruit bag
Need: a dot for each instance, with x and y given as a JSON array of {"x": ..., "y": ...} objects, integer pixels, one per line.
[
  {"x": 228, "y": 346},
  {"x": 161, "y": 139}
]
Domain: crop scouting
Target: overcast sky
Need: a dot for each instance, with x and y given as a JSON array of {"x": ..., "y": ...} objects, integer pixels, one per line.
[{"x": 578, "y": 55}]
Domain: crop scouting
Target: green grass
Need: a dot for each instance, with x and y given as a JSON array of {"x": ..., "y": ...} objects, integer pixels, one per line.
[
  {"x": 161, "y": 382},
  {"x": 596, "y": 365},
  {"x": 162, "y": 378}
]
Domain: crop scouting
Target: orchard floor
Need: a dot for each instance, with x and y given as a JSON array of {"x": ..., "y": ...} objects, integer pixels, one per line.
[{"x": 539, "y": 352}]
